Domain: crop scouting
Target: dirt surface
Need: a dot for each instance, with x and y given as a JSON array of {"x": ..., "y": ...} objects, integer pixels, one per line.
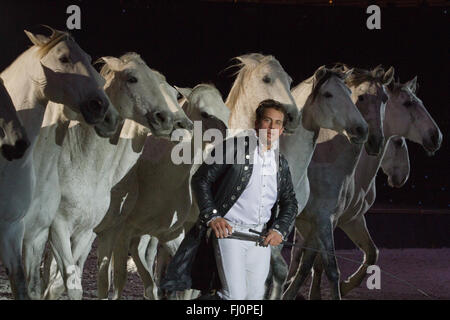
[{"x": 425, "y": 269}]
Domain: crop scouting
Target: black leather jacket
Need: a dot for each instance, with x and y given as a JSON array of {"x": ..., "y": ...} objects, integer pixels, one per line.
[{"x": 216, "y": 188}]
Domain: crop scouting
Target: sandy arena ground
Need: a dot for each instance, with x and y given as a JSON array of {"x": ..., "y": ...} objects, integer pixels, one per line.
[{"x": 426, "y": 269}]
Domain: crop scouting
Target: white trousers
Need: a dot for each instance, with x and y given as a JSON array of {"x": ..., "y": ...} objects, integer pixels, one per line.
[{"x": 243, "y": 266}]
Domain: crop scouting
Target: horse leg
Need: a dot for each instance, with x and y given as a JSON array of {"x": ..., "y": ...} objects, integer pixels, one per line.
[
  {"x": 137, "y": 250},
  {"x": 52, "y": 278},
  {"x": 61, "y": 247},
  {"x": 280, "y": 272},
  {"x": 11, "y": 236},
  {"x": 105, "y": 247},
  {"x": 82, "y": 245},
  {"x": 358, "y": 233},
  {"x": 150, "y": 251},
  {"x": 314, "y": 292},
  {"x": 326, "y": 243},
  {"x": 304, "y": 269},
  {"x": 81, "y": 252},
  {"x": 120, "y": 258},
  {"x": 33, "y": 249}
]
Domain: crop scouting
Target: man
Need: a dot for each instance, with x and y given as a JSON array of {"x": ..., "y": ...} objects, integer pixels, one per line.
[{"x": 243, "y": 195}]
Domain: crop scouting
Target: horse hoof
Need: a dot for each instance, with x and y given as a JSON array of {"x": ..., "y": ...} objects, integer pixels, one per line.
[
  {"x": 315, "y": 296},
  {"x": 344, "y": 288},
  {"x": 149, "y": 294},
  {"x": 75, "y": 294},
  {"x": 35, "y": 294}
]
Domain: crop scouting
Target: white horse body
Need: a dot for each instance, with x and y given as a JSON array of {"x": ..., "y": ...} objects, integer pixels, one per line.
[
  {"x": 331, "y": 175},
  {"x": 89, "y": 166},
  {"x": 13, "y": 140},
  {"x": 32, "y": 83},
  {"x": 156, "y": 178},
  {"x": 325, "y": 102},
  {"x": 397, "y": 123}
]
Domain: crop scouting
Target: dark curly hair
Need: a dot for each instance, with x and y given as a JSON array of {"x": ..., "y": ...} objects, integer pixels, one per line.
[{"x": 269, "y": 103}]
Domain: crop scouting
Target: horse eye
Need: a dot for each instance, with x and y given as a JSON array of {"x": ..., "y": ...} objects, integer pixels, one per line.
[
  {"x": 204, "y": 115},
  {"x": 407, "y": 104},
  {"x": 266, "y": 79},
  {"x": 360, "y": 98},
  {"x": 327, "y": 95},
  {"x": 64, "y": 59},
  {"x": 179, "y": 96},
  {"x": 132, "y": 79}
]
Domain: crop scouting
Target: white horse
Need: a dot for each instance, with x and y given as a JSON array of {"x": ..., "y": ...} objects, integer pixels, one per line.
[
  {"x": 163, "y": 192},
  {"x": 47, "y": 195},
  {"x": 331, "y": 172},
  {"x": 54, "y": 69},
  {"x": 406, "y": 116},
  {"x": 259, "y": 78},
  {"x": 13, "y": 138},
  {"x": 89, "y": 166},
  {"x": 325, "y": 102},
  {"x": 395, "y": 165}
]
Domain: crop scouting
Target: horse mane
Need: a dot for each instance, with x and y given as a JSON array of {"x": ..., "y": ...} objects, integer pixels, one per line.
[
  {"x": 207, "y": 86},
  {"x": 360, "y": 75},
  {"x": 125, "y": 58},
  {"x": 244, "y": 72},
  {"x": 56, "y": 37},
  {"x": 329, "y": 73}
]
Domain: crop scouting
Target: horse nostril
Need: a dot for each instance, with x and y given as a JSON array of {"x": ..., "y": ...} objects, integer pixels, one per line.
[
  {"x": 290, "y": 117},
  {"x": 360, "y": 131},
  {"x": 160, "y": 117},
  {"x": 435, "y": 138},
  {"x": 22, "y": 145},
  {"x": 179, "y": 124},
  {"x": 96, "y": 105}
]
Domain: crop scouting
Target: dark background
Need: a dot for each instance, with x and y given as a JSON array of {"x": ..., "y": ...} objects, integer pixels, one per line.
[{"x": 192, "y": 42}]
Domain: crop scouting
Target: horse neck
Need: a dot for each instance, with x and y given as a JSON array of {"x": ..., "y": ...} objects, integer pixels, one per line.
[
  {"x": 335, "y": 150},
  {"x": 27, "y": 98},
  {"x": 156, "y": 158},
  {"x": 54, "y": 114},
  {"x": 242, "y": 112},
  {"x": 133, "y": 130},
  {"x": 367, "y": 168},
  {"x": 298, "y": 148}
]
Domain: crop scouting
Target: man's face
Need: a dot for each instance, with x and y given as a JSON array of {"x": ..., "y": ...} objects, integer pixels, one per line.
[{"x": 272, "y": 121}]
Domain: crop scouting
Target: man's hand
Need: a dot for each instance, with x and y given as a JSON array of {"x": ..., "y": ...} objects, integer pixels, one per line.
[
  {"x": 273, "y": 238},
  {"x": 220, "y": 227}
]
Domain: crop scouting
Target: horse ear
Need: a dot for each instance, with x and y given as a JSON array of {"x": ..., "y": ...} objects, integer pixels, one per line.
[
  {"x": 412, "y": 84},
  {"x": 185, "y": 92},
  {"x": 388, "y": 76},
  {"x": 248, "y": 60},
  {"x": 320, "y": 73},
  {"x": 391, "y": 86},
  {"x": 37, "y": 39},
  {"x": 347, "y": 73},
  {"x": 113, "y": 63}
]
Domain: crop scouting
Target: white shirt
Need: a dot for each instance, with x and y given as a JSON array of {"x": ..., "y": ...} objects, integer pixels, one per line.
[{"x": 256, "y": 201}]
